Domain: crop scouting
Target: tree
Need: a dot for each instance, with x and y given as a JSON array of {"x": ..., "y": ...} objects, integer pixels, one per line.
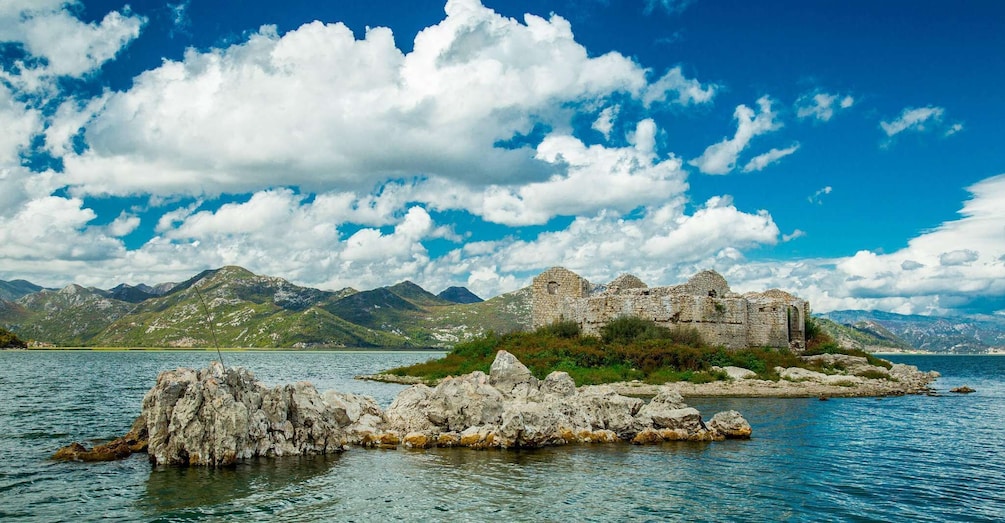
[{"x": 9, "y": 340}]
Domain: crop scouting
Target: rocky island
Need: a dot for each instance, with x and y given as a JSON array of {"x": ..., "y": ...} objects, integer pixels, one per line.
[{"x": 219, "y": 416}]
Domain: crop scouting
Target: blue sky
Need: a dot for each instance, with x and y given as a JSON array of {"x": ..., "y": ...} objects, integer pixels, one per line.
[{"x": 847, "y": 151}]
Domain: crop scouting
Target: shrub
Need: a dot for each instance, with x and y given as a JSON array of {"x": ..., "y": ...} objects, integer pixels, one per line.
[
  {"x": 689, "y": 336},
  {"x": 9, "y": 339},
  {"x": 561, "y": 329},
  {"x": 627, "y": 329}
]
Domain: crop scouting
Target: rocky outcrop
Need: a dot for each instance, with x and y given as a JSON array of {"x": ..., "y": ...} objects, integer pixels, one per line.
[
  {"x": 134, "y": 441},
  {"x": 844, "y": 376},
  {"x": 510, "y": 408},
  {"x": 218, "y": 416}
]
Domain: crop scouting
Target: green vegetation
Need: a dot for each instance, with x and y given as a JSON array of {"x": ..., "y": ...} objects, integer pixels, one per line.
[
  {"x": 628, "y": 349},
  {"x": 9, "y": 340}
]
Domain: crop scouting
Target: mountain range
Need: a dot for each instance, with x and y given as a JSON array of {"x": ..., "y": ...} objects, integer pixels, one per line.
[{"x": 232, "y": 307}]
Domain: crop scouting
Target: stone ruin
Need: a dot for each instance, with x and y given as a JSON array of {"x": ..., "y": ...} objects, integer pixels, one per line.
[{"x": 773, "y": 318}]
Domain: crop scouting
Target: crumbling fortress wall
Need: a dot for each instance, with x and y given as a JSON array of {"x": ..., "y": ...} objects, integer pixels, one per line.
[{"x": 772, "y": 318}]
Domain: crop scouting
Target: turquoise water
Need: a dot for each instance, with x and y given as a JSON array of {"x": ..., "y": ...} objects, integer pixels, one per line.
[{"x": 915, "y": 458}]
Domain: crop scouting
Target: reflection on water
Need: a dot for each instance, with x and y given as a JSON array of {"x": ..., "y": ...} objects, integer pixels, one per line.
[{"x": 171, "y": 491}]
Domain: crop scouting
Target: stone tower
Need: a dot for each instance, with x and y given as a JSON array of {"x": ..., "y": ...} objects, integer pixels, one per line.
[{"x": 555, "y": 290}]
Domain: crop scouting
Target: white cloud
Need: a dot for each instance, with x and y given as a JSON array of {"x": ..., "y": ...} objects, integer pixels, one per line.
[
  {"x": 816, "y": 197},
  {"x": 329, "y": 111},
  {"x": 687, "y": 91},
  {"x": 54, "y": 227},
  {"x": 798, "y": 233},
  {"x": 124, "y": 224},
  {"x": 720, "y": 158},
  {"x": 953, "y": 129},
  {"x": 761, "y": 161},
  {"x": 595, "y": 178},
  {"x": 958, "y": 257},
  {"x": 670, "y": 6},
  {"x": 605, "y": 120},
  {"x": 19, "y": 124},
  {"x": 913, "y": 119},
  {"x": 821, "y": 105},
  {"x": 69, "y": 46}
]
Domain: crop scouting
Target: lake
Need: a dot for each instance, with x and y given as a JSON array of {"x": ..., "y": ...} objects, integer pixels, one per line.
[{"x": 912, "y": 458}]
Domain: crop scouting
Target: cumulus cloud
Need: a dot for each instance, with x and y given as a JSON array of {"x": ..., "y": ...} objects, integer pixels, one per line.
[
  {"x": 594, "y": 178},
  {"x": 68, "y": 46},
  {"x": 720, "y": 158},
  {"x": 40, "y": 229},
  {"x": 761, "y": 161},
  {"x": 604, "y": 123},
  {"x": 673, "y": 86},
  {"x": 19, "y": 124},
  {"x": 330, "y": 111},
  {"x": 821, "y": 106}
]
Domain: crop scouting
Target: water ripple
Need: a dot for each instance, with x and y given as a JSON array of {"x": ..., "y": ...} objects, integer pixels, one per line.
[{"x": 912, "y": 458}]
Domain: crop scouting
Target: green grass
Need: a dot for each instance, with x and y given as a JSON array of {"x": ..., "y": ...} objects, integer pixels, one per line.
[{"x": 627, "y": 349}]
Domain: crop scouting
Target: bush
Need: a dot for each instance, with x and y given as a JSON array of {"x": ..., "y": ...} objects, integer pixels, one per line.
[
  {"x": 561, "y": 329},
  {"x": 627, "y": 329},
  {"x": 10, "y": 340}
]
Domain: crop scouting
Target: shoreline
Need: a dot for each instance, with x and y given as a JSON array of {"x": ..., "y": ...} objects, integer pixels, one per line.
[{"x": 915, "y": 382}]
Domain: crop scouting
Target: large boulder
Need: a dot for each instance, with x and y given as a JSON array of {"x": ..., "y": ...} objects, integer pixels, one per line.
[{"x": 218, "y": 416}]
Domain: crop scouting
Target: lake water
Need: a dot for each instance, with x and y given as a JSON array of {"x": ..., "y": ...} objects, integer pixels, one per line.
[{"x": 914, "y": 458}]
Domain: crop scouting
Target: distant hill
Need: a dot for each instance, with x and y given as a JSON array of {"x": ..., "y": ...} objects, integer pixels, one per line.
[
  {"x": 459, "y": 295},
  {"x": 248, "y": 310},
  {"x": 71, "y": 316},
  {"x": 245, "y": 310},
  {"x": 957, "y": 335},
  {"x": 863, "y": 335},
  {"x": 12, "y": 290}
]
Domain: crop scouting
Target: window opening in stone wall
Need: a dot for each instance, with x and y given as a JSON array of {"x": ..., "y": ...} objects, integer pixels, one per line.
[
  {"x": 711, "y": 293},
  {"x": 553, "y": 287}
]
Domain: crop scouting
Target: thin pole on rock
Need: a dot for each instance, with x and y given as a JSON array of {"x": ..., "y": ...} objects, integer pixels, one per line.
[{"x": 212, "y": 331}]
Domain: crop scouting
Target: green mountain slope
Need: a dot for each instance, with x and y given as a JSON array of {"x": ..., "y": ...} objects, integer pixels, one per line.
[
  {"x": 459, "y": 295},
  {"x": 71, "y": 316},
  {"x": 245, "y": 310},
  {"x": 448, "y": 325}
]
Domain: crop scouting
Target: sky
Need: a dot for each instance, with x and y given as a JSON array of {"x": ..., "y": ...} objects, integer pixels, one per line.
[{"x": 850, "y": 152}]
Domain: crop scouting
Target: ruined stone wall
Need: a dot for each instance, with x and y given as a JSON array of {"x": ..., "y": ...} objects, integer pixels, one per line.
[
  {"x": 770, "y": 319},
  {"x": 554, "y": 293}
]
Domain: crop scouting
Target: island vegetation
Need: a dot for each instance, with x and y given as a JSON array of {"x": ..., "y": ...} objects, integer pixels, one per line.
[
  {"x": 628, "y": 349},
  {"x": 9, "y": 340}
]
